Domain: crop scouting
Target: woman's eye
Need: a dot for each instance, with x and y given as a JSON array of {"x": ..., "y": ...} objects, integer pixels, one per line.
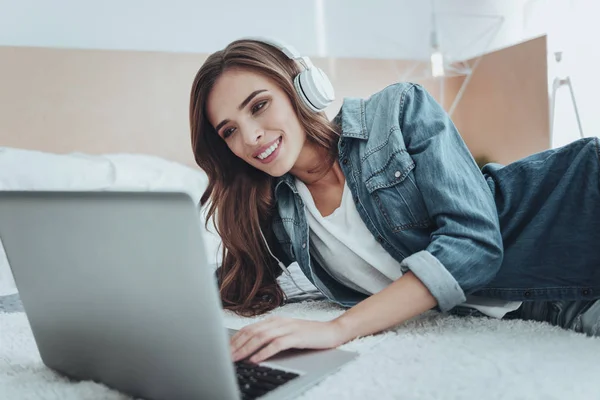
[
  {"x": 227, "y": 133},
  {"x": 258, "y": 107}
]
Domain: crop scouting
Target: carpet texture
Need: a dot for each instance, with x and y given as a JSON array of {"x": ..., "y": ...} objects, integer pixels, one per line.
[{"x": 433, "y": 356}]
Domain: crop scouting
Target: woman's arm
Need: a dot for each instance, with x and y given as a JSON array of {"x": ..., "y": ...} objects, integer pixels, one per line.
[
  {"x": 466, "y": 249},
  {"x": 405, "y": 298}
]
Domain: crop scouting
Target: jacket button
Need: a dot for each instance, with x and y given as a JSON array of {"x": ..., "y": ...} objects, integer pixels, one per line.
[
  {"x": 345, "y": 161},
  {"x": 586, "y": 292},
  {"x": 397, "y": 174},
  {"x": 304, "y": 245},
  {"x": 379, "y": 239},
  {"x": 527, "y": 293}
]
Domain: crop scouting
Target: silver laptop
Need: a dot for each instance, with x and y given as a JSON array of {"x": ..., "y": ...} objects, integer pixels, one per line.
[{"x": 117, "y": 289}]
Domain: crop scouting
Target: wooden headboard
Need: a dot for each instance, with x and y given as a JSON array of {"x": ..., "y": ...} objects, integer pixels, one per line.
[
  {"x": 109, "y": 101},
  {"x": 63, "y": 100}
]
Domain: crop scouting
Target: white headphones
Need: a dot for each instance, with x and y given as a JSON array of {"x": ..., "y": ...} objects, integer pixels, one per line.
[
  {"x": 312, "y": 84},
  {"x": 282, "y": 265}
]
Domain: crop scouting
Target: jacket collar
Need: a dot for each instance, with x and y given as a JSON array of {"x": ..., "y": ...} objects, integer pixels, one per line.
[
  {"x": 352, "y": 115},
  {"x": 352, "y": 119}
]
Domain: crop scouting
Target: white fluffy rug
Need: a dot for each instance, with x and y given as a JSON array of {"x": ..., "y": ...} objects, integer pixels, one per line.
[{"x": 431, "y": 357}]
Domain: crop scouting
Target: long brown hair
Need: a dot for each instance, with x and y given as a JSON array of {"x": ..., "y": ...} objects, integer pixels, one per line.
[{"x": 241, "y": 196}]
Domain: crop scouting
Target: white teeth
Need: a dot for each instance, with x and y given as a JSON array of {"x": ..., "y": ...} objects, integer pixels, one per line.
[{"x": 268, "y": 151}]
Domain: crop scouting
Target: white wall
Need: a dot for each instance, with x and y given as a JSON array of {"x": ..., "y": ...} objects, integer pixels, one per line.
[
  {"x": 338, "y": 28},
  {"x": 572, "y": 27}
]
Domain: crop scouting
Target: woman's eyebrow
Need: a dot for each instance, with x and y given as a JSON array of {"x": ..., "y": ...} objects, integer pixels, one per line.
[
  {"x": 241, "y": 106},
  {"x": 249, "y": 98}
]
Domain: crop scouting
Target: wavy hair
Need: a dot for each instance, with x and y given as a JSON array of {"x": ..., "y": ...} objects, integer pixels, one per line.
[{"x": 240, "y": 197}]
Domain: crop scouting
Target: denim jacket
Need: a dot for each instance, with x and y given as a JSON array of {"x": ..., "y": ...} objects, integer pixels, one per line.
[{"x": 419, "y": 191}]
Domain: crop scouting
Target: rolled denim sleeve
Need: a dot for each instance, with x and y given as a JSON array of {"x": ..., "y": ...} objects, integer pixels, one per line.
[{"x": 465, "y": 251}]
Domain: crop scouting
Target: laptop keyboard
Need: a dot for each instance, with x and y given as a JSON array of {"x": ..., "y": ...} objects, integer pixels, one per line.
[{"x": 257, "y": 380}]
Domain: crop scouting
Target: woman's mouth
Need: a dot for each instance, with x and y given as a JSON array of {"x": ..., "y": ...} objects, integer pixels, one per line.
[{"x": 271, "y": 153}]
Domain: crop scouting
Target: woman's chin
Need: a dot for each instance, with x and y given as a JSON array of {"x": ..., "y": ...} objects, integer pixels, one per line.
[{"x": 276, "y": 172}]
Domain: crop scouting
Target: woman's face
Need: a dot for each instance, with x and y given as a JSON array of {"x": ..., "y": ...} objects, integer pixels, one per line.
[{"x": 256, "y": 120}]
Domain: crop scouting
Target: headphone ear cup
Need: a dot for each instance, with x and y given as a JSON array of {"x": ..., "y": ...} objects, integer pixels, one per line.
[
  {"x": 323, "y": 85},
  {"x": 301, "y": 93},
  {"x": 314, "y": 88}
]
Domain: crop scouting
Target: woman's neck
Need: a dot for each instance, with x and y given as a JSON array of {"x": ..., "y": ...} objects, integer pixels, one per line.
[{"x": 307, "y": 169}]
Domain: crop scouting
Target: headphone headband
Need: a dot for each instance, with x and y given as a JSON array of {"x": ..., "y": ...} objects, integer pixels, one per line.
[
  {"x": 312, "y": 84},
  {"x": 285, "y": 48}
]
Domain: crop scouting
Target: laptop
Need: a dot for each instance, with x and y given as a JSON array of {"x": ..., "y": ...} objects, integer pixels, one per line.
[{"x": 117, "y": 289}]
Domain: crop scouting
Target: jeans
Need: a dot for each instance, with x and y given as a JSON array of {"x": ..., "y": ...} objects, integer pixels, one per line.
[{"x": 581, "y": 316}]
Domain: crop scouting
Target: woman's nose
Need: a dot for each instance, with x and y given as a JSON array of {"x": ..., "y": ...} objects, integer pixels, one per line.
[{"x": 253, "y": 136}]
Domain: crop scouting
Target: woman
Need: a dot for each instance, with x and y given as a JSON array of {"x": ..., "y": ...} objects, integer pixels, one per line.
[{"x": 383, "y": 208}]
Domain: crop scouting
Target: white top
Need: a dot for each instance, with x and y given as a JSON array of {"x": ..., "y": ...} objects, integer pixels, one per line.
[{"x": 343, "y": 245}]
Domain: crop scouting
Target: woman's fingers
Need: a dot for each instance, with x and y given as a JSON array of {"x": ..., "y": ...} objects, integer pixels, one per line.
[
  {"x": 278, "y": 345},
  {"x": 267, "y": 338},
  {"x": 246, "y": 333},
  {"x": 252, "y": 338}
]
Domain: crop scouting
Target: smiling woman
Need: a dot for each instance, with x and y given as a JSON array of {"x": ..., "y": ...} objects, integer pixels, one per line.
[
  {"x": 249, "y": 125},
  {"x": 263, "y": 121},
  {"x": 384, "y": 208}
]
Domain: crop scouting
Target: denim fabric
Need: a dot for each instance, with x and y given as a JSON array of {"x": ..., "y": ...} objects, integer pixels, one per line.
[
  {"x": 527, "y": 231},
  {"x": 549, "y": 210},
  {"x": 581, "y": 316}
]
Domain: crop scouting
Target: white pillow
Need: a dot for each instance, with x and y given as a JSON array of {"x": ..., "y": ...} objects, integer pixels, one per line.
[
  {"x": 22, "y": 169},
  {"x": 29, "y": 170}
]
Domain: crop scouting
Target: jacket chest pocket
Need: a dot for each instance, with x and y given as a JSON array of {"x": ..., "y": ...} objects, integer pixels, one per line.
[{"x": 395, "y": 194}]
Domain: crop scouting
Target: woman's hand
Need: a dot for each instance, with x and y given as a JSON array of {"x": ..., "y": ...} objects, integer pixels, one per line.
[{"x": 277, "y": 334}]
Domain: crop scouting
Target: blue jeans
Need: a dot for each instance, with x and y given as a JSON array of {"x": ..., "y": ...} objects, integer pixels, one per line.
[
  {"x": 580, "y": 316},
  {"x": 549, "y": 211}
]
